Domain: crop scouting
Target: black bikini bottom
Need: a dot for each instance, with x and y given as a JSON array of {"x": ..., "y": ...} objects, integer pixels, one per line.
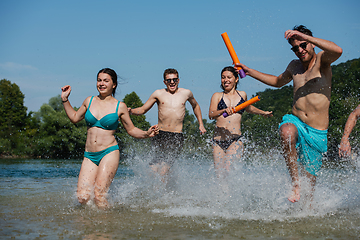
[{"x": 225, "y": 144}]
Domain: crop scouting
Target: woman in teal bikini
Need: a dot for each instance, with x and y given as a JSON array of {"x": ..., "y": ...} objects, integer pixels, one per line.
[
  {"x": 227, "y": 144},
  {"x": 101, "y": 157}
]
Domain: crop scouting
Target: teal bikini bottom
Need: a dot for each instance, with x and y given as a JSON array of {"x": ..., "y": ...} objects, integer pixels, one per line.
[
  {"x": 311, "y": 142},
  {"x": 96, "y": 157}
]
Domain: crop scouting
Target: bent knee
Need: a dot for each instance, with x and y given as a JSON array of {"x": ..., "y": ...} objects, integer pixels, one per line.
[{"x": 288, "y": 132}]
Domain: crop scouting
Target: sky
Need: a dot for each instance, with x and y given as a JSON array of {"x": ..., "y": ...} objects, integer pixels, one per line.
[{"x": 45, "y": 45}]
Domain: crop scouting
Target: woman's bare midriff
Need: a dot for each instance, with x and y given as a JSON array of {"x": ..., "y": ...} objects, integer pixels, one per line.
[{"x": 98, "y": 139}]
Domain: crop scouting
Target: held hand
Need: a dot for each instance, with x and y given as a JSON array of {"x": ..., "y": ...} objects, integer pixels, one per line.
[
  {"x": 229, "y": 111},
  {"x": 202, "y": 129},
  {"x": 129, "y": 110},
  {"x": 345, "y": 148},
  {"x": 245, "y": 68},
  {"x": 65, "y": 92},
  {"x": 153, "y": 130}
]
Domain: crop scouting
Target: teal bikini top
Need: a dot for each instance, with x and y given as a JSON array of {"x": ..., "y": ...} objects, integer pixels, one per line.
[{"x": 108, "y": 122}]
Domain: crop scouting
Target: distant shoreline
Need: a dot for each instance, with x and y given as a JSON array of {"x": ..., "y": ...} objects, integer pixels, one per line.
[{"x": 14, "y": 157}]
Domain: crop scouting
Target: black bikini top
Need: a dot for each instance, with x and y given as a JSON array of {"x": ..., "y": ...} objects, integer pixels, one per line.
[{"x": 222, "y": 105}]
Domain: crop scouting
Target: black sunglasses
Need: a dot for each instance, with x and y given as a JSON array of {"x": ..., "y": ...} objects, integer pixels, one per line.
[
  {"x": 172, "y": 79},
  {"x": 303, "y": 45}
]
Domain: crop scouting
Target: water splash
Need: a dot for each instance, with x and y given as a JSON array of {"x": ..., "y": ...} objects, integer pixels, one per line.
[{"x": 256, "y": 189}]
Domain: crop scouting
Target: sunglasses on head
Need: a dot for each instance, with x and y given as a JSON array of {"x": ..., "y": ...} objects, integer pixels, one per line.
[
  {"x": 172, "y": 79},
  {"x": 303, "y": 45}
]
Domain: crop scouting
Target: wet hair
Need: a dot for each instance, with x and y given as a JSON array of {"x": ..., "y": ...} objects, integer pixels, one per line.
[
  {"x": 302, "y": 29},
  {"x": 234, "y": 72},
  {"x": 170, "y": 71},
  {"x": 113, "y": 76}
]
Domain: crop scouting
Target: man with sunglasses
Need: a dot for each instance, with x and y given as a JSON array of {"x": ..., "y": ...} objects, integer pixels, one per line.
[
  {"x": 306, "y": 127},
  {"x": 171, "y": 103}
]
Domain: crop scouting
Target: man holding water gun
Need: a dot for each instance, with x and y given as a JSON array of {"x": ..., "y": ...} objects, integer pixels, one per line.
[{"x": 306, "y": 128}]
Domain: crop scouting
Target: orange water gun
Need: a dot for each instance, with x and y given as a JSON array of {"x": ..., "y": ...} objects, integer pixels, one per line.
[
  {"x": 233, "y": 54},
  {"x": 243, "y": 105}
]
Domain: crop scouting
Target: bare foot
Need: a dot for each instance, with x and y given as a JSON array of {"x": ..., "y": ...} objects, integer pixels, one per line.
[
  {"x": 103, "y": 205},
  {"x": 101, "y": 201},
  {"x": 295, "y": 195}
]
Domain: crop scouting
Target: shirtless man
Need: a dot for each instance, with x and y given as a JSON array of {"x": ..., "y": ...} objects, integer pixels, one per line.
[
  {"x": 171, "y": 112},
  {"x": 345, "y": 148},
  {"x": 306, "y": 127}
]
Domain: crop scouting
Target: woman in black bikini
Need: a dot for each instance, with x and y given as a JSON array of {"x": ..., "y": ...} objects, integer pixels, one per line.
[{"x": 227, "y": 144}]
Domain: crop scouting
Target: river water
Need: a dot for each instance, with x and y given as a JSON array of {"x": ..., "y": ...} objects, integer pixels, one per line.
[{"x": 38, "y": 201}]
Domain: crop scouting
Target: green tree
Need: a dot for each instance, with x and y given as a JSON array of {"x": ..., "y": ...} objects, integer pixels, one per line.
[
  {"x": 264, "y": 131},
  {"x": 58, "y": 137},
  {"x": 344, "y": 99},
  {"x": 13, "y": 118},
  {"x": 132, "y": 100},
  {"x": 49, "y": 133},
  {"x": 129, "y": 146},
  {"x": 196, "y": 144}
]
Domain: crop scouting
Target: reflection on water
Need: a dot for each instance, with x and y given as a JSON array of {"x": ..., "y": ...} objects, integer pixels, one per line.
[{"x": 38, "y": 201}]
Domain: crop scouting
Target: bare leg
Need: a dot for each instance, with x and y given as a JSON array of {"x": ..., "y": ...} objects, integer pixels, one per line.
[
  {"x": 220, "y": 162},
  {"x": 288, "y": 135},
  {"x": 312, "y": 181},
  {"x": 106, "y": 173},
  {"x": 223, "y": 160},
  {"x": 162, "y": 169},
  {"x": 86, "y": 181}
]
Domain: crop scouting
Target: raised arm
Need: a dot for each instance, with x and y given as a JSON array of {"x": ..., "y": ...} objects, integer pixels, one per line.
[
  {"x": 197, "y": 112},
  {"x": 129, "y": 126},
  {"x": 74, "y": 116},
  {"x": 271, "y": 80},
  {"x": 331, "y": 51},
  {"x": 147, "y": 105},
  {"x": 345, "y": 148}
]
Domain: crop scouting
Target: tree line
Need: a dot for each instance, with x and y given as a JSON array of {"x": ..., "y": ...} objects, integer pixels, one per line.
[{"x": 48, "y": 133}]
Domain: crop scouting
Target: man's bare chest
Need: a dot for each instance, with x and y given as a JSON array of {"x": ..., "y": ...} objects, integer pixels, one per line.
[{"x": 172, "y": 102}]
